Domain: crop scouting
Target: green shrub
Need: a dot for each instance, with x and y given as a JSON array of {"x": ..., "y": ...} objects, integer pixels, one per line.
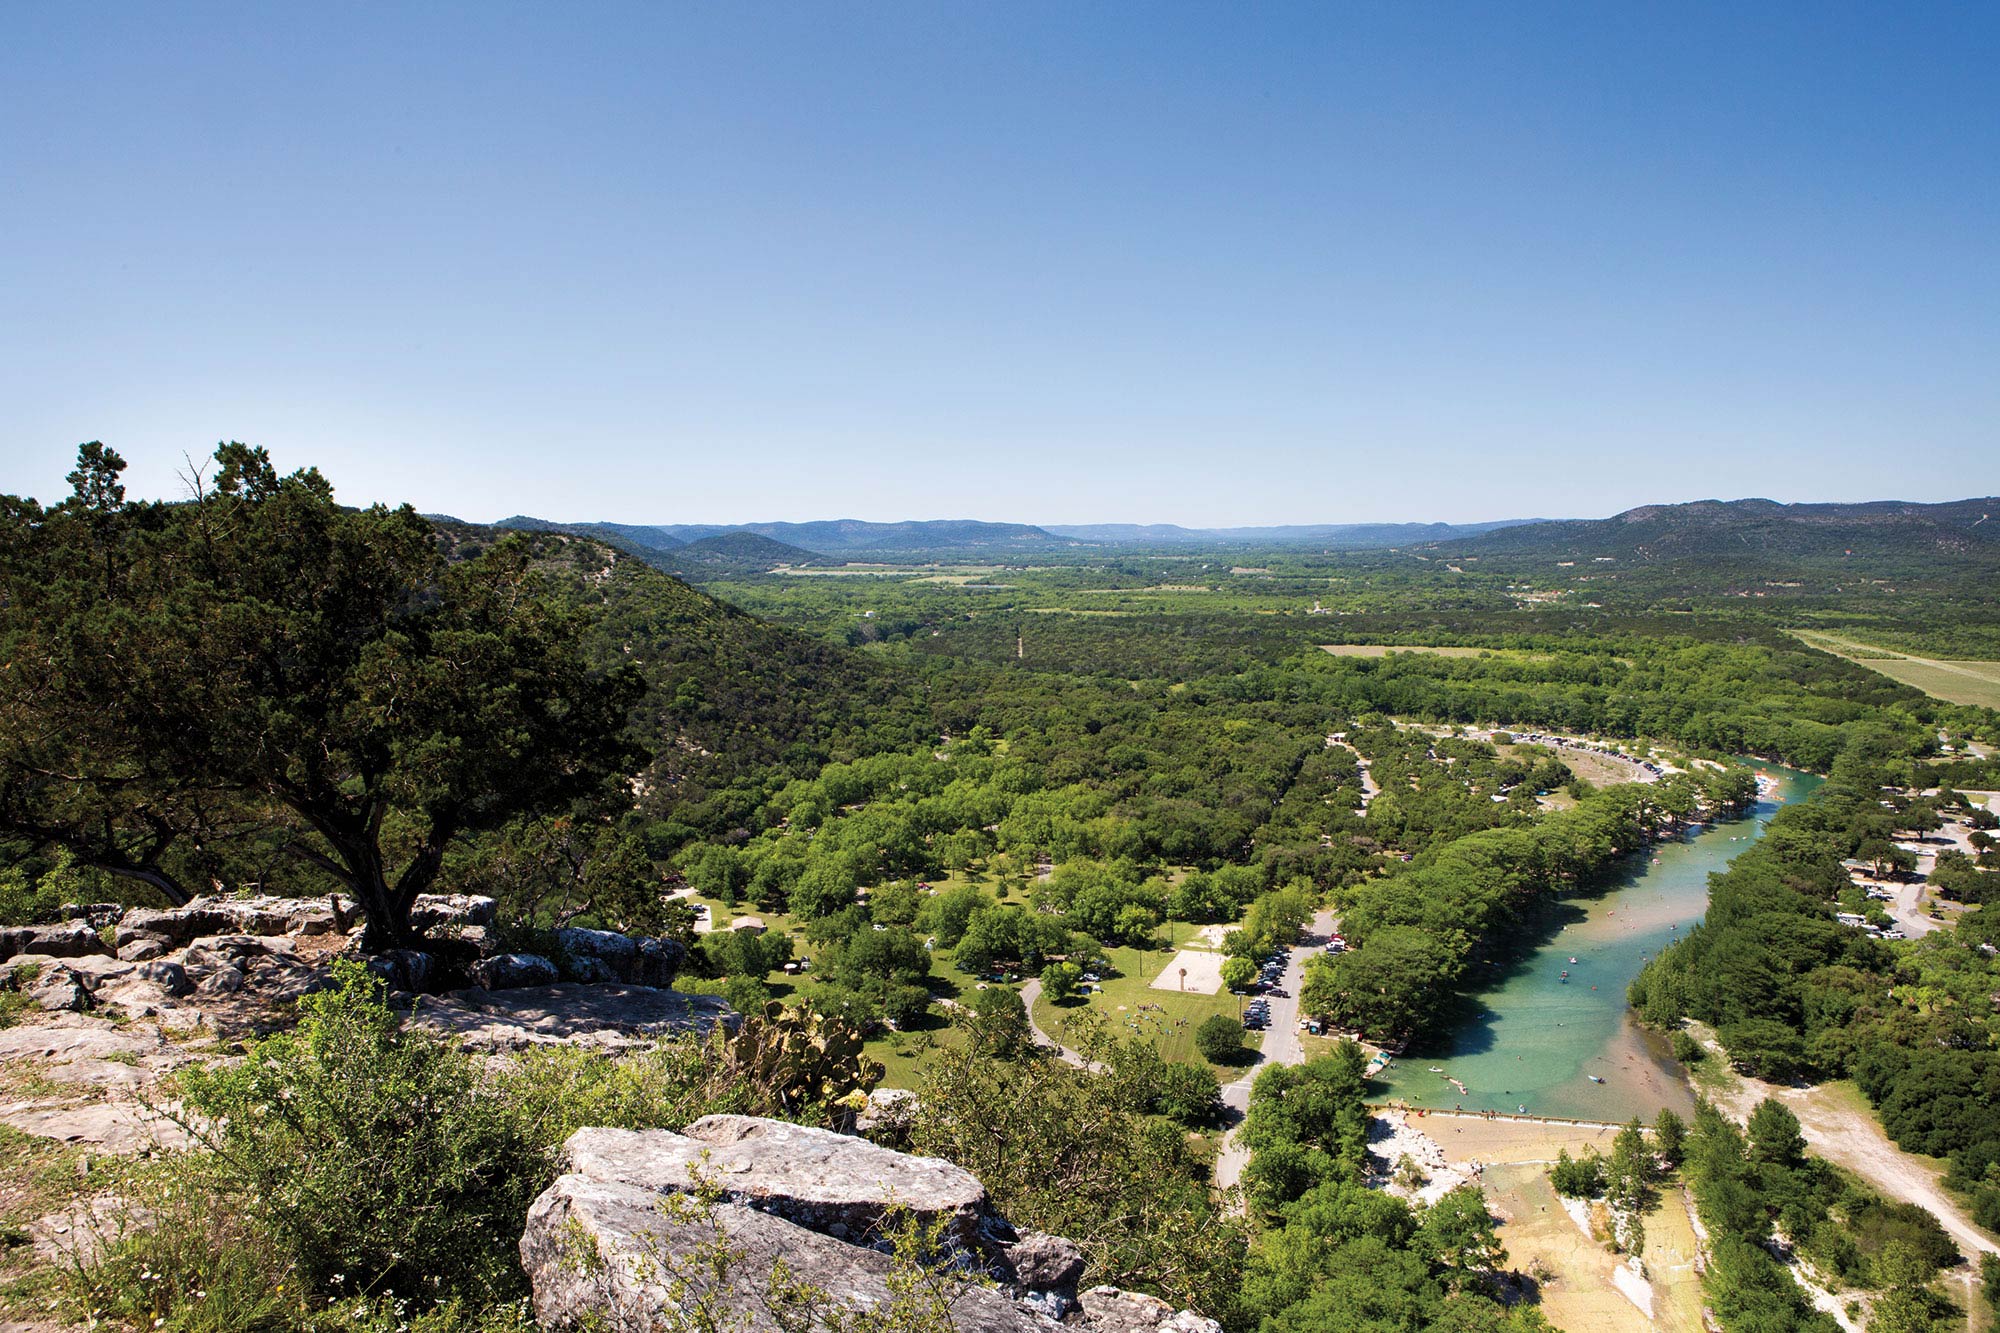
[
  {"x": 1686, "y": 1049},
  {"x": 371, "y": 1153},
  {"x": 1578, "y": 1177}
]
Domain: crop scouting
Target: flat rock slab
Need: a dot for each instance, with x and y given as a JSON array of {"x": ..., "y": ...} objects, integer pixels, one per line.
[
  {"x": 828, "y": 1182},
  {"x": 608, "y": 1016},
  {"x": 116, "y": 1127},
  {"x": 616, "y": 1257},
  {"x": 79, "y": 1038}
]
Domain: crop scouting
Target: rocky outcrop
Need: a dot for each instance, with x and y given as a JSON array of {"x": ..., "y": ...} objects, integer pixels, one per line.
[
  {"x": 610, "y": 1016},
  {"x": 1109, "y": 1310},
  {"x": 820, "y": 1180},
  {"x": 635, "y": 1223},
  {"x": 91, "y": 981},
  {"x": 69, "y": 939},
  {"x": 177, "y": 927},
  {"x": 605, "y": 955}
]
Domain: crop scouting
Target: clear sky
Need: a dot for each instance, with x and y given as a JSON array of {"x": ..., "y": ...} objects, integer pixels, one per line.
[{"x": 1218, "y": 264}]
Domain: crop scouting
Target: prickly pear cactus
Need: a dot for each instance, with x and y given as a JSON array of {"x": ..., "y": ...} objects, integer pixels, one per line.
[{"x": 797, "y": 1058}]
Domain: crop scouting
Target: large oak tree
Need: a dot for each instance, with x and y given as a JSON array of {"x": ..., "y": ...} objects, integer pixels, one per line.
[{"x": 259, "y": 662}]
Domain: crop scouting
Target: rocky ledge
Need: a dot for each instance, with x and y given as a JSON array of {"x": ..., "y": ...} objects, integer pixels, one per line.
[{"x": 637, "y": 1221}]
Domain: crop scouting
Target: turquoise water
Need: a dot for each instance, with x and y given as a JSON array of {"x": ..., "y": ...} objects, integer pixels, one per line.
[{"x": 1535, "y": 1039}]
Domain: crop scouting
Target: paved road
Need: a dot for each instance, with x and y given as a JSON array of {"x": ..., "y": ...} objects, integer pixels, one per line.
[
  {"x": 1031, "y": 990},
  {"x": 1281, "y": 1046}
]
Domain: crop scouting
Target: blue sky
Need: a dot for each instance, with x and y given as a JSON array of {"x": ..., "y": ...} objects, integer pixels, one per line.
[{"x": 1219, "y": 264}]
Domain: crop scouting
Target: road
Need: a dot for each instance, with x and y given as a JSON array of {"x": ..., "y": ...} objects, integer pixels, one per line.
[
  {"x": 1281, "y": 1046},
  {"x": 1031, "y": 990}
]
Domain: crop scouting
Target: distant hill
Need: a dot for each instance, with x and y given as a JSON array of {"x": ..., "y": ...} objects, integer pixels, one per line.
[
  {"x": 840, "y": 536},
  {"x": 1333, "y": 536},
  {"x": 848, "y": 536},
  {"x": 729, "y": 553},
  {"x": 1734, "y": 529},
  {"x": 627, "y": 535}
]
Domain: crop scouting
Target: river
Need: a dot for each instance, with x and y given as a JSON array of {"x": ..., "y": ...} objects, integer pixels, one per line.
[{"x": 1536, "y": 1039}]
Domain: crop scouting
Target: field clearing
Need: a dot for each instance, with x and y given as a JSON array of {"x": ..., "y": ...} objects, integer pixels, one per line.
[
  {"x": 1956, "y": 681},
  {"x": 1132, "y": 1007}
]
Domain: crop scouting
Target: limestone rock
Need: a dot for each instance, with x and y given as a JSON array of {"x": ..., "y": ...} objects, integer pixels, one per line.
[
  {"x": 266, "y": 965},
  {"x": 59, "y": 988},
  {"x": 452, "y": 910},
  {"x": 99, "y": 915},
  {"x": 1041, "y": 1262},
  {"x": 511, "y": 971},
  {"x": 610, "y": 1016},
  {"x": 116, "y": 1127},
  {"x": 831, "y": 1183},
  {"x": 405, "y": 969},
  {"x": 605, "y": 955},
  {"x": 613, "y": 1257},
  {"x": 68, "y": 939},
  {"x": 1109, "y": 1310}
]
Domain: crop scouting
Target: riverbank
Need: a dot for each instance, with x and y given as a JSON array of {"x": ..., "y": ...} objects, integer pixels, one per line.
[{"x": 1556, "y": 1016}]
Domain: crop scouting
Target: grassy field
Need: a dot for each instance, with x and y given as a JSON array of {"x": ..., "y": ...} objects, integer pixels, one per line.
[
  {"x": 1954, "y": 681},
  {"x": 1132, "y": 1006}
]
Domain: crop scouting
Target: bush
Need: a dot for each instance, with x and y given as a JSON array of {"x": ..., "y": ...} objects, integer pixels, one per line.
[
  {"x": 1578, "y": 1177},
  {"x": 360, "y": 1177},
  {"x": 367, "y": 1151},
  {"x": 1219, "y": 1039},
  {"x": 1686, "y": 1049}
]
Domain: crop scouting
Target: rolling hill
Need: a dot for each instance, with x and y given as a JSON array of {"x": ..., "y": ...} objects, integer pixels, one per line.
[
  {"x": 1331, "y": 536},
  {"x": 1706, "y": 530}
]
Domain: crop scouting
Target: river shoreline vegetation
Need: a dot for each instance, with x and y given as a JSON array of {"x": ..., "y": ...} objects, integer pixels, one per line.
[{"x": 933, "y": 777}]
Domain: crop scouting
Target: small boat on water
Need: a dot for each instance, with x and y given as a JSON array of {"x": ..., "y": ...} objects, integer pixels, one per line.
[
  {"x": 1437, "y": 1069},
  {"x": 1595, "y": 1079},
  {"x": 1565, "y": 976},
  {"x": 1572, "y": 958}
]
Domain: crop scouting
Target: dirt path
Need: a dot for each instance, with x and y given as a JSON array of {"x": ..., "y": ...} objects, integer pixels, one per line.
[
  {"x": 1848, "y": 1134},
  {"x": 1369, "y": 787}
]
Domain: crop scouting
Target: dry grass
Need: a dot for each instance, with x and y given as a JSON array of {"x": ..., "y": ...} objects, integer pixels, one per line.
[
  {"x": 1578, "y": 1292},
  {"x": 1957, "y": 681}
]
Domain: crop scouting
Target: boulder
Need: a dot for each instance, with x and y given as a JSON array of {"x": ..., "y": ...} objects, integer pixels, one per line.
[
  {"x": 1041, "y": 1262},
  {"x": 451, "y": 911},
  {"x": 840, "y": 1186},
  {"x": 59, "y": 989},
  {"x": 1110, "y": 1310},
  {"x": 405, "y": 969},
  {"x": 511, "y": 971},
  {"x": 99, "y": 915},
  {"x": 68, "y": 939},
  {"x": 646, "y": 1222},
  {"x": 613, "y": 1257},
  {"x": 610, "y": 1016},
  {"x": 606, "y": 955}
]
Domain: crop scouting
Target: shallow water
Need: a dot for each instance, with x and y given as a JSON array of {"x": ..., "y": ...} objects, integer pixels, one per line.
[{"x": 1535, "y": 1038}]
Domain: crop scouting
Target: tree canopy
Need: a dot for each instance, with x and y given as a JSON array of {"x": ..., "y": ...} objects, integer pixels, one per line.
[{"x": 260, "y": 664}]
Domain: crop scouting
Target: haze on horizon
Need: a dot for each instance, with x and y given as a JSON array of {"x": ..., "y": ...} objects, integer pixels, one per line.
[{"x": 1024, "y": 263}]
